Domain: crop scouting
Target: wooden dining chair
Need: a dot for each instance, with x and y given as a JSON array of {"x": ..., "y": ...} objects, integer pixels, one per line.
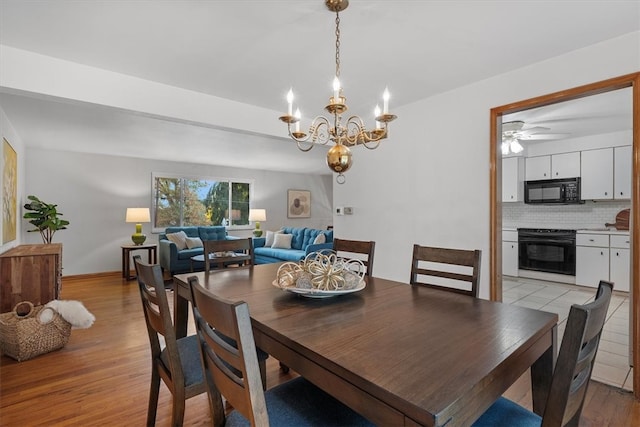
[
  {"x": 348, "y": 248},
  {"x": 294, "y": 403},
  {"x": 239, "y": 246},
  {"x": 454, "y": 270},
  {"x": 178, "y": 363},
  {"x": 571, "y": 375}
]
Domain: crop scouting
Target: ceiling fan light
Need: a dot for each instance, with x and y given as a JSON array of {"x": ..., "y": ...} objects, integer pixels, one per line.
[
  {"x": 505, "y": 148},
  {"x": 516, "y": 147}
]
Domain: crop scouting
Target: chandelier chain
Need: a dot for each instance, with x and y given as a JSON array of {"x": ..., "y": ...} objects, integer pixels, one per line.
[{"x": 337, "y": 44}]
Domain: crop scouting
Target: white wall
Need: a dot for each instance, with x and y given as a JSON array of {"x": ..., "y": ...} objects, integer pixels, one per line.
[
  {"x": 93, "y": 192},
  {"x": 8, "y": 132},
  {"x": 429, "y": 182}
]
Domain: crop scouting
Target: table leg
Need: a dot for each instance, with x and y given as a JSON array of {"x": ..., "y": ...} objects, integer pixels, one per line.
[
  {"x": 541, "y": 374},
  {"x": 180, "y": 313},
  {"x": 124, "y": 272}
]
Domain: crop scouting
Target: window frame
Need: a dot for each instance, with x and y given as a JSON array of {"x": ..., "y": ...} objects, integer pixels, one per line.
[{"x": 181, "y": 177}]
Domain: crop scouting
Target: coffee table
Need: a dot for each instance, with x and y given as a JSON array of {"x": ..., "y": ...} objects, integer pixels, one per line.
[{"x": 222, "y": 261}]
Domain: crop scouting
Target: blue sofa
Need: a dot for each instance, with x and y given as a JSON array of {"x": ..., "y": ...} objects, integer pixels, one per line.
[
  {"x": 175, "y": 261},
  {"x": 301, "y": 246}
]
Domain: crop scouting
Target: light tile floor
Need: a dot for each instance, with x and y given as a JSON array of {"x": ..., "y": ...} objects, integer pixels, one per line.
[{"x": 612, "y": 361}]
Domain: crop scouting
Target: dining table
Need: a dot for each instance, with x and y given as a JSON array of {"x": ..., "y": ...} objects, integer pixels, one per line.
[{"x": 398, "y": 354}]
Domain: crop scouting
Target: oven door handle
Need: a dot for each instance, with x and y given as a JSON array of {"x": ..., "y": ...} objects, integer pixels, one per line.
[{"x": 564, "y": 242}]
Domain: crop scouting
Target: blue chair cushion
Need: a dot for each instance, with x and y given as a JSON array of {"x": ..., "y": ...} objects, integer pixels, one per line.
[
  {"x": 300, "y": 403},
  {"x": 189, "y": 359},
  {"x": 505, "y": 413}
]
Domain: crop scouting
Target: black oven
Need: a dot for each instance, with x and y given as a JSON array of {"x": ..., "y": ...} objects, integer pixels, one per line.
[{"x": 547, "y": 250}]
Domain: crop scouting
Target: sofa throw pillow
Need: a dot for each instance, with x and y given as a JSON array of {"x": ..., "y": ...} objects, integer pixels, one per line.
[
  {"x": 282, "y": 241},
  {"x": 179, "y": 238},
  {"x": 320, "y": 238},
  {"x": 194, "y": 242},
  {"x": 269, "y": 238}
]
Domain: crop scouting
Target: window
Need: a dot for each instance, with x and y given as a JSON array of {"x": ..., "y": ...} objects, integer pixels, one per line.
[{"x": 179, "y": 201}]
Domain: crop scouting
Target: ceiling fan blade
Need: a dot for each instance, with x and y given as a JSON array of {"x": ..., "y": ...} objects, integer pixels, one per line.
[
  {"x": 544, "y": 136},
  {"x": 535, "y": 129}
]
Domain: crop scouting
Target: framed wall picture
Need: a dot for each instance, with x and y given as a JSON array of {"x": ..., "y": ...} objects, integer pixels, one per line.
[
  {"x": 298, "y": 204},
  {"x": 9, "y": 192}
]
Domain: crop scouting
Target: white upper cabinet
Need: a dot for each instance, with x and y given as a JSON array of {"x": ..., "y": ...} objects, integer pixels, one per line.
[
  {"x": 622, "y": 172},
  {"x": 512, "y": 177},
  {"x": 566, "y": 165},
  {"x": 537, "y": 168},
  {"x": 597, "y": 174}
]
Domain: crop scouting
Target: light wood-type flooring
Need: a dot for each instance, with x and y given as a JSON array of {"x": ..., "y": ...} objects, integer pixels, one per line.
[{"x": 101, "y": 377}]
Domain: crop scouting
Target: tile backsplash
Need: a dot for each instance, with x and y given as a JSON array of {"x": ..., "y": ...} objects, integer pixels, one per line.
[{"x": 588, "y": 215}]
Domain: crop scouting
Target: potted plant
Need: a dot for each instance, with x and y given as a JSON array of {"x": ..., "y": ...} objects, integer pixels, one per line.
[{"x": 45, "y": 218}]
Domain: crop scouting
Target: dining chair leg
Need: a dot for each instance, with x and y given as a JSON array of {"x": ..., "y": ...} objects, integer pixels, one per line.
[
  {"x": 154, "y": 392},
  {"x": 177, "y": 415}
]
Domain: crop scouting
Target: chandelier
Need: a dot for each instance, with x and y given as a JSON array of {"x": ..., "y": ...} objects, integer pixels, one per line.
[{"x": 342, "y": 135}]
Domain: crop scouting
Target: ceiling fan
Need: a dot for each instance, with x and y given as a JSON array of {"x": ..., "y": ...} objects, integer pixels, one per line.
[{"x": 515, "y": 131}]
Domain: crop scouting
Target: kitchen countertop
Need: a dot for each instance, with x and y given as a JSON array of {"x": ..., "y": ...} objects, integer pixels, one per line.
[{"x": 590, "y": 230}]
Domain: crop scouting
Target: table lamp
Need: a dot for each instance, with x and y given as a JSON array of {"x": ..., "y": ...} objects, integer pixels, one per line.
[
  {"x": 138, "y": 215},
  {"x": 257, "y": 215}
]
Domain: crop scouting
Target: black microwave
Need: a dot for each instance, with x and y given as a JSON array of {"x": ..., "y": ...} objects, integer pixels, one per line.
[{"x": 553, "y": 191}]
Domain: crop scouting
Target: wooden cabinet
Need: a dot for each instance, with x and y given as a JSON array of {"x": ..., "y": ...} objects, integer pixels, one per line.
[
  {"x": 622, "y": 172},
  {"x": 565, "y": 165},
  {"x": 537, "y": 168},
  {"x": 619, "y": 262},
  {"x": 512, "y": 179},
  {"x": 592, "y": 259},
  {"x": 510, "y": 253},
  {"x": 597, "y": 174},
  {"x": 30, "y": 273}
]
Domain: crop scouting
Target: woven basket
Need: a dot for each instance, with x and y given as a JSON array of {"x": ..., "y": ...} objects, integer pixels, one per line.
[{"x": 23, "y": 337}]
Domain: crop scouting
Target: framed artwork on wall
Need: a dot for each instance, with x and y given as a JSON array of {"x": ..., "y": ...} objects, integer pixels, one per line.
[
  {"x": 9, "y": 192},
  {"x": 298, "y": 204}
]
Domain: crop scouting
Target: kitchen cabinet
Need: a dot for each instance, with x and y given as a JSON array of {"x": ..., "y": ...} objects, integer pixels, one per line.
[
  {"x": 592, "y": 259},
  {"x": 564, "y": 165},
  {"x": 30, "y": 273},
  {"x": 512, "y": 179},
  {"x": 622, "y": 172},
  {"x": 510, "y": 253},
  {"x": 537, "y": 168},
  {"x": 597, "y": 174},
  {"x": 619, "y": 262}
]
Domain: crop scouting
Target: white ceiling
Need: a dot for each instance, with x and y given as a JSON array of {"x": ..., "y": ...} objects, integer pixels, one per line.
[{"x": 252, "y": 51}]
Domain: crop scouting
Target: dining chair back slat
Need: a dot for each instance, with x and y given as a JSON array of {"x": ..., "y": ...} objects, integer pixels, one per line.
[
  {"x": 356, "y": 249},
  {"x": 431, "y": 262},
  {"x": 244, "y": 246}
]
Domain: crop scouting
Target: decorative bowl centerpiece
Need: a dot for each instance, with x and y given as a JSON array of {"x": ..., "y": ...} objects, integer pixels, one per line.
[{"x": 321, "y": 275}]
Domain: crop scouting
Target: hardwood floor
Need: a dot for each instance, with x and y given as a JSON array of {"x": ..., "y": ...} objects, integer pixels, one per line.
[{"x": 102, "y": 375}]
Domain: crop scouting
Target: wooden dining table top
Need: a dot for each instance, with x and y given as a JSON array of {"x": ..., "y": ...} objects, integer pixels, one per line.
[{"x": 399, "y": 354}]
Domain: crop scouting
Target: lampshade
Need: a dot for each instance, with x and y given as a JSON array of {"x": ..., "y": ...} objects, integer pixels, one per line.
[
  {"x": 257, "y": 214},
  {"x": 138, "y": 215}
]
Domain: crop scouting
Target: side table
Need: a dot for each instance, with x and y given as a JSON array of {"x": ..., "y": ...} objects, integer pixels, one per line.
[{"x": 152, "y": 254}]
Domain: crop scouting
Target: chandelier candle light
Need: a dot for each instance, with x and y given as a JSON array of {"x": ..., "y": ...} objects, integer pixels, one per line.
[
  {"x": 138, "y": 216},
  {"x": 343, "y": 136}
]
